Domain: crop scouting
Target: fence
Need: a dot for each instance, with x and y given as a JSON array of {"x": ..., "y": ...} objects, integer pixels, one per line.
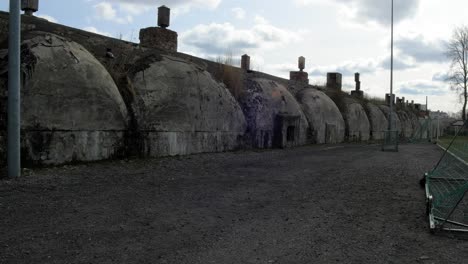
[
  {"x": 422, "y": 132},
  {"x": 447, "y": 186},
  {"x": 390, "y": 141}
]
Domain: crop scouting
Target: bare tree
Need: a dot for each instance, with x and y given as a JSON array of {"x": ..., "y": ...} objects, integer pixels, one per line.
[{"x": 457, "y": 52}]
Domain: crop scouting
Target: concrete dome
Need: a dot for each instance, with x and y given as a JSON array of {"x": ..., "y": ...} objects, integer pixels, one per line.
[
  {"x": 71, "y": 108},
  {"x": 414, "y": 121},
  {"x": 325, "y": 120},
  {"x": 356, "y": 121},
  {"x": 274, "y": 117},
  {"x": 378, "y": 121},
  {"x": 396, "y": 120},
  {"x": 406, "y": 124},
  {"x": 180, "y": 109}
]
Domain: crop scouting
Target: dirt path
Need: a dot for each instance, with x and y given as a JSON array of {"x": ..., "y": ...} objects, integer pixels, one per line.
[{"x": 345, "y": 204}]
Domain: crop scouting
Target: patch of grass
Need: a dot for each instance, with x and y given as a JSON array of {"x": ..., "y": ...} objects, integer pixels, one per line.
[
  {"x": 230, "y": 75},
  {"x": 339, "y": 97},
  {"x": 459, "y": 146}
]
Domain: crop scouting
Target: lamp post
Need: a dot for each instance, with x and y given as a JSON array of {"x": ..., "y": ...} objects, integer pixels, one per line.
[
  {"x": 390, "y": 118},
  {"x": 14, "y": 82}
]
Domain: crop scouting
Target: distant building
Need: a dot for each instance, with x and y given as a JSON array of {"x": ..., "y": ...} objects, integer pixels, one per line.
[
  {"x": 458, "y": 123},
  {"x": 438, "y": 115}
]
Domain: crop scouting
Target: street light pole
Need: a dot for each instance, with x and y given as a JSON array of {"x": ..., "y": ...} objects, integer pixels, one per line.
[
  {"x": 390, "y": 121},
  {"x": 14, "y": 82}
]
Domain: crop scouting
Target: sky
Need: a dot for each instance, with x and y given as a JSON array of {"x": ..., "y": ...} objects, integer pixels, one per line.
[{"x": 344, "y": 36}]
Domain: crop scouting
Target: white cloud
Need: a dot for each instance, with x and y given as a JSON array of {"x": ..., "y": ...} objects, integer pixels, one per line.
[
  {"x": 440, "y": 76},
  {"x": 260, "y": 20},
  {"x": 371, "y": 11},
  {"x": 283, "y": 67},
  {"x": 422, "y": 87},
  {"x": 304, "y": 2},
  {"x": 238, "y": 12},
  {"x": 174, "y": 3},
  {"x": 96, "y": 31},
  {"x": 216, "y": 38},
  {"x": 135, "y": 7},
  {"x": 399, "y": 63},
  {"x": 47, "y": 17},
  {"x": 348, "y": 68},
  {"x": 106, "y": 11},
  {"x": 421, "y": 49}
]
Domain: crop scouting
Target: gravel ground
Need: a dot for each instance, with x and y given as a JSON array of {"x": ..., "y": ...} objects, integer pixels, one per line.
[{"x": 317, "y": 204}]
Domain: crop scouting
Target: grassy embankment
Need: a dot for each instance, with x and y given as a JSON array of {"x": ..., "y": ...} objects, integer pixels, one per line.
[{"x": 459, "y": 146}]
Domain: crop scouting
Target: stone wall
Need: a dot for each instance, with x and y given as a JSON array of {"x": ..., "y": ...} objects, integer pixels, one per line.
[
  {"x": 159, "y": 38},
  {"x": 3, "y": 28},
  {"x": 25, "y": 26}
]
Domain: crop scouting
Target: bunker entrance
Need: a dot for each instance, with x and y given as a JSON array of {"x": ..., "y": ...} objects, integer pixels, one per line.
[
  {"x": 290, "y": 134},
  {"x": 287, "y": 129}
]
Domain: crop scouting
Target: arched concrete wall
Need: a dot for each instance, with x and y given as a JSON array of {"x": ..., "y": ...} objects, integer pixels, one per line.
[
  {"x": 71, "y": 108},
  {"x": 356, "y": 121},
  {"x": 406, "y": 124},
  {"x": 270, "y": 109},
  {"x": 414, "y": 121},
  {"x": 325, "y": 120},
  {"x": 396, "y": 120},
  {"x": 378, "y": 121},
  {"x": 426, "y": 126},
  {"x": 174, "y": 107},
  {"x": 180, "y": 109}
]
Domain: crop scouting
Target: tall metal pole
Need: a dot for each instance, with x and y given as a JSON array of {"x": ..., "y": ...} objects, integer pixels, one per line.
[
  {"x": 427, "y": 106},
  {"x": 390, "y": 119},
  {"x": 14, "y": 82}
]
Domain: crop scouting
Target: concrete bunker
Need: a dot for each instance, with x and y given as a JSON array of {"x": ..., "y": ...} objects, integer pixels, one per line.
[
  {"x": 356, "y": 121},
  {"x": 406, "y": 124},
  {"x": 396, "y": 120},
  {"x": 180, "y": 109},
  {"x": 71, "y": 108},
  {"x": 414, "y": 121},
  {"x": 378, "y": 121},
  {"x": 274, "y": 118},
  {"x": 325, "y": 120},
  {"x": 287, "y": 130}
]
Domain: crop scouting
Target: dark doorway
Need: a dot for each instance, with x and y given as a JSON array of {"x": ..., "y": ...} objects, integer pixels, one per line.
[
  {"x": 266, "y": 140},
  {"x": 290, "y": 133}
]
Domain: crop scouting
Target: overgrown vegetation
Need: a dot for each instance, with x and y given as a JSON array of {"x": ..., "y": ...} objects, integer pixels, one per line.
[
  {"x": 339, "y": 97},
  {"x": 374, "y": 100},
  {"x": 122, "y": 68},
  {"x": 231, "y": 76}
]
